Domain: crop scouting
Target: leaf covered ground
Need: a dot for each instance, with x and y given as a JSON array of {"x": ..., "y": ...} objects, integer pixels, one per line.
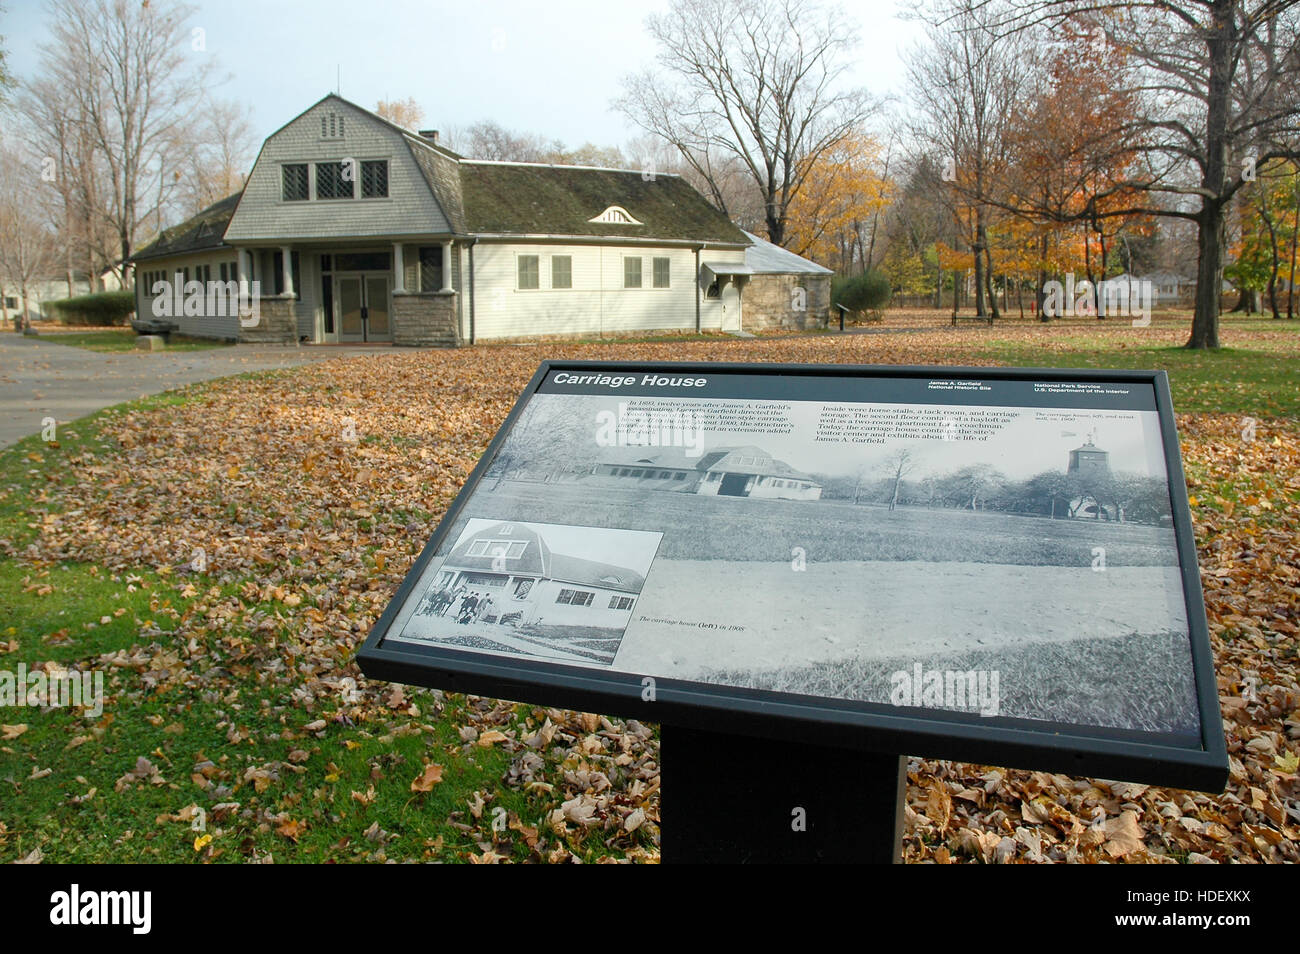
[{"x": 222, "y": 551}]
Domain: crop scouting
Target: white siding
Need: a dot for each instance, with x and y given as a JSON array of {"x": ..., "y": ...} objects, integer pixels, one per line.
[
  {"x": 197, "y": 326},
  {"x": 597, "y": 303}
]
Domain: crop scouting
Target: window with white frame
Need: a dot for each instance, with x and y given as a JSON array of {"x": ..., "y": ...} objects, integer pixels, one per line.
[
  {"x": 661, "y": 271},
  {"x": 575, "y": 597},
  {"x": 509, "y": 549},
  {"x": 561, "y": 271},
  {"x": 632, "y": 271},
  {"x": 294, "y": 182},
  {"x": 528, "y": 272}
]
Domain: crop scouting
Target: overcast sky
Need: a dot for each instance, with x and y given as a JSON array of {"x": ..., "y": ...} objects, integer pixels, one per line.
[{"x": 550, "y": 69}]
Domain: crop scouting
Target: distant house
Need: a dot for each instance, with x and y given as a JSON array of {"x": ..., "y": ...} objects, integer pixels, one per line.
[
  {"x": 722, "y": 471},
  {"x": 530, "y": 583},
  {"x": 359, "y": 230},
  {"x": 1167, "y": 287},
  {"x": 49, "y": 288}
]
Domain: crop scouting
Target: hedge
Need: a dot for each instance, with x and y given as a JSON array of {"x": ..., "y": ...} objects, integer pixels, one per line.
[
  {"x": 101, "y": 308},
  {"x": 869, "y": 292}
]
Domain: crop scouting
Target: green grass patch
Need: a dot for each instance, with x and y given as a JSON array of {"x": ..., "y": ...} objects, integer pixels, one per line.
[
  {"x": 1256, "y": 380},
  {"x": 124, "y": 340}
]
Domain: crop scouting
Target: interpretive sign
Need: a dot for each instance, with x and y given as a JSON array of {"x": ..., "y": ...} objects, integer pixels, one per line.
[{"x": 992, "y": 565}]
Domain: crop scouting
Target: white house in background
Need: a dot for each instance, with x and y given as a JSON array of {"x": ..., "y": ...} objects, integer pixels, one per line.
[
  {"x": 721, "y": 471},
  {"x": 52, "y": 288},
  {"x": 360, "y": 230},
  {"x": 1168, "y": 287}
]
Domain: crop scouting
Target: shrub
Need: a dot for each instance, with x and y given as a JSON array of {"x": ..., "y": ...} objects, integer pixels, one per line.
[
  {"x": 868, "y": 292},
  {"x": 101, "y": 308}
]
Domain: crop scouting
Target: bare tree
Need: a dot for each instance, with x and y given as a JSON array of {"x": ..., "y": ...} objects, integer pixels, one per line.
[
  {"x": 6, "y": 79},
  {"x": 755, "y": 80},
  {"x": 135, "y": 79},
  {"x": 898, "y": 466},
  {"x": 729, "y": 186},
  {"x": 27, "y": 246},
  {"x": 491, "y": 140},
  {"x": 966, "y": 82},
  {"x": 218, "y": 150}
]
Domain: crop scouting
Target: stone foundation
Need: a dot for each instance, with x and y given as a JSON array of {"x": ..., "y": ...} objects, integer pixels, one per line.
[
  {"x": 425, "y": 319},
  {"x": 278, "y": 323},
  {"x": 771, "y": 301}
]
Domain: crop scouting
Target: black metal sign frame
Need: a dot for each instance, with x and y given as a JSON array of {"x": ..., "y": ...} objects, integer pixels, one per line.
[{"x": 931, "y": 733}]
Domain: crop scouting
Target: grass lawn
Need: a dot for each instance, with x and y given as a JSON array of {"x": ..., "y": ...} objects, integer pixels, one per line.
[
  {"x": 220, "y": 552},
  {"x": 124, "y": 340}
]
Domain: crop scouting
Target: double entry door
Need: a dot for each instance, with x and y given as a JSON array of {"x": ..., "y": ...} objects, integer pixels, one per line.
[{"x": 363, "y": 307}]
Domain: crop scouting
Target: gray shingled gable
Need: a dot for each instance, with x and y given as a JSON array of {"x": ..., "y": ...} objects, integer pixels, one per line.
[
  {"x": 203, "y": 231},
  {"x": 443, "y": 175},
  {"x": 529, "y": 199}
]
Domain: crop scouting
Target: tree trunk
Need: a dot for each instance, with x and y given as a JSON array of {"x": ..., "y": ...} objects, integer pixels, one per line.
[
  {"x": 1101, "y": 278},
  {"x": 1295, "y": 230},
  {"x": 988, "y": 283},
  {"x": 1211, "y": 221},
  {"x": 1209, "y": 276}
]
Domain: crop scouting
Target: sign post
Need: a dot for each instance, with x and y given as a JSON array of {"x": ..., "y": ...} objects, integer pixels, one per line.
[{"x": 802, "y": 573}]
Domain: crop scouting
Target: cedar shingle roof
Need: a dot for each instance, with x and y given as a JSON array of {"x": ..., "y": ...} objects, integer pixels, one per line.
[
  {"x": 204, "y": 231},
  {"x": 532, "y": 199}
]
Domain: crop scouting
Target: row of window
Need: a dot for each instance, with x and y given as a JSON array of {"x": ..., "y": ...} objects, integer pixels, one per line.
[
  {"x": 509, "y": 549},
  {"x": 335, "y": 180},
  {"x": 714, "y": 476},
  {"x": 585, "y": 598},
  {"x": 529, "y": 272},
  {"x": 228, "y": 272},
  {"x": 642, "y": 472}
]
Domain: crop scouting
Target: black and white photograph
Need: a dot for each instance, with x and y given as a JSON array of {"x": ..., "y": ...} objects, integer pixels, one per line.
[
  {"x": 523, "y": 589},
  {"x": 829, "y": 550}
]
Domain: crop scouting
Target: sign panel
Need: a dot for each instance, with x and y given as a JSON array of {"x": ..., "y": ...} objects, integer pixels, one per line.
[{"x": 993, "y": 565}]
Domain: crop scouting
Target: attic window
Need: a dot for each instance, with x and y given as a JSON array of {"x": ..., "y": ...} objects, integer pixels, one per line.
[
  {"x": 615, "y": 215},
  {"x": 331, "y": 126}
]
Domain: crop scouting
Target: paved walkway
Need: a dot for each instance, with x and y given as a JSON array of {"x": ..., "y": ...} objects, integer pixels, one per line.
[{"x": 40, "y": 378}]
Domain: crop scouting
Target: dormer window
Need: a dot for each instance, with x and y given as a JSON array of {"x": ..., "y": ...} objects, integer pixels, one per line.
[
  {"x": 615, "y": 215},
  {"x": 331, "y": 126}
]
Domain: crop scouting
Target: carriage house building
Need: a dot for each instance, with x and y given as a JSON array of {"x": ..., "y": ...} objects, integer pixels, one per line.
[
  {"x": 530, "y": 583},
  {"x": 358, "y": 230}
]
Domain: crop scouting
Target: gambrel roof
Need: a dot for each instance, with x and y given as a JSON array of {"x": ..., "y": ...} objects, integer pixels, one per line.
[{"x": 540, "y": 560}]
